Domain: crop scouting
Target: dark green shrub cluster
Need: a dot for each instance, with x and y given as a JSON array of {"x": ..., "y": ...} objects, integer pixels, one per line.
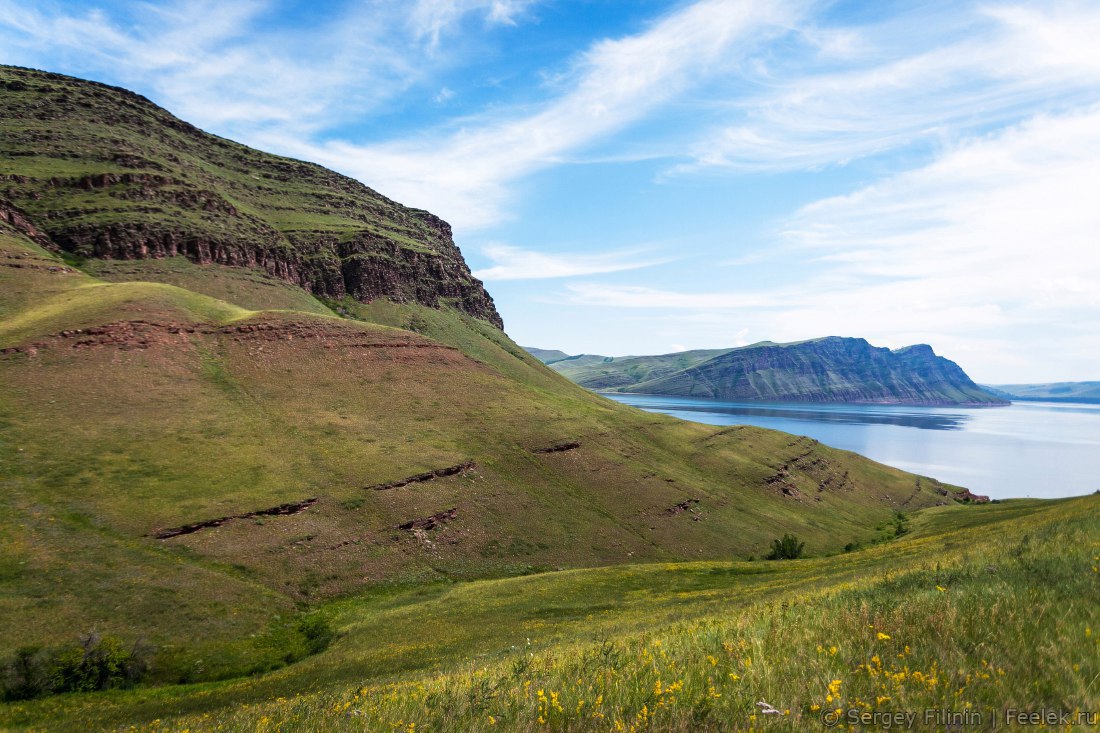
[
  {"x": 787, "y": 548},
  {"x": 317, "y": 632},
  {"x": 901, "y": 524},
  {"x": 96, "y": 663}
]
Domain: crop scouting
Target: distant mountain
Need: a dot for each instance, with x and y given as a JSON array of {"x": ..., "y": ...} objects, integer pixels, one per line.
[
  {"x": 612, "y": 372},
  {"x": 546, "y": 356},
  {"x": 830, "y": 369},
  {"x": 1088, "y": 392}
]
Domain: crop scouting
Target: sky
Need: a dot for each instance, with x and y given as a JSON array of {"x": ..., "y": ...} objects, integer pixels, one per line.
[{"x": 648, "y": 176}]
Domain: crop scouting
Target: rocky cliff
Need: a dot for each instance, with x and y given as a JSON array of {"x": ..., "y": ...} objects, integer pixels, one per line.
[
  {"x": 104, "y": 173},
  {"x": 829, "y": 369}
]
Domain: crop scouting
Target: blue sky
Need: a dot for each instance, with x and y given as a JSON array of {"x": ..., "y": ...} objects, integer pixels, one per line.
[{"x": 649, "y": 176}]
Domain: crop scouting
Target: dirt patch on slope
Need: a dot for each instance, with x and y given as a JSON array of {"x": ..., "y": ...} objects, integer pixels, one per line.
[
  {"x": 461, "y": 468},
  {"x": 281, "y": 510},
  {"x": 141, "y": 334},
  {"x": 559, "y": 447}
]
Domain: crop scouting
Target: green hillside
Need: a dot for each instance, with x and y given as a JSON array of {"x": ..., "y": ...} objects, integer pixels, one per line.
[
  {"x": 546, "y": 356},
  {"x": 613, "y": 372},
  {"x": 106, "y": 174}
]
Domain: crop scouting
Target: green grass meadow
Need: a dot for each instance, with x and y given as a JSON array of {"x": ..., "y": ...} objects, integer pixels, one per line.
[{"x": 980, "y": 609}]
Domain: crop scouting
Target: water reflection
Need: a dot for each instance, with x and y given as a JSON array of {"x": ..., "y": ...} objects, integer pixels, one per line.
[{"x": 932, "y": 419}]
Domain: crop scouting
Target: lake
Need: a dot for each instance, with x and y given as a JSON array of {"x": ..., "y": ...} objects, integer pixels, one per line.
[{"x": 1035, "y": 449}]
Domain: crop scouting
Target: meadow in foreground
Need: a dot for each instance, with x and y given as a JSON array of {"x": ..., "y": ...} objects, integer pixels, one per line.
[{"x": 978, "y": 611}]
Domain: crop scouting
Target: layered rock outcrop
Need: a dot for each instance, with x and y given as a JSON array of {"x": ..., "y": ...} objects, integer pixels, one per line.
[{"x": 101, "y": 172}]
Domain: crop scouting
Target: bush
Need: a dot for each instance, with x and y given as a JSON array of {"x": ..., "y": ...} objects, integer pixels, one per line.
[
  {"x": 317, "y": 632},
  {"x": 901, "y": 524},
  {"x": 787, "y": 548},
  {"x": 96, "y": 663},
  {"x": 25, "y": 675}
]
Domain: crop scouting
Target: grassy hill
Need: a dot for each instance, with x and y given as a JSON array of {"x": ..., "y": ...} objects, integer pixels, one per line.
[
  {"x": 546, "y": 356},
  {"x": 132, "y": 408},
  {"x": 106, "y": 174},
  {"x": 980, "y": 609},
  {"x": 612, "y": 372}
]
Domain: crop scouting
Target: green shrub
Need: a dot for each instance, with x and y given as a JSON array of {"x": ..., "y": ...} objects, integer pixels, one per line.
[
  {"x": 901, "y": 524},
  {"x": 318, "y": 633},
  {"x": 787, "y": 548},
  {"x": 25, "y": 675},
  {"x": 96, "y": 663}
]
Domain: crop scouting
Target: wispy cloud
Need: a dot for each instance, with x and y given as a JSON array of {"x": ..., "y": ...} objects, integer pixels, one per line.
[
  {"x": 1004, "y": 219},
  {"x": 988, "y": 252},
  {"x": 513, "y": 263},
  {"x": 634, "y": 296},
  {"x": 465, "y": 173},
  {"x": 430, "y": 19},
  {"x": 232, "y": 67},
  {"x": 928, "y": 73},
  {"x": 222, "y": 66}
]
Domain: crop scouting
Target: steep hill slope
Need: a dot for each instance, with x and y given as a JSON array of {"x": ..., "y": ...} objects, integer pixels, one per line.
[
  {"x": 195, "y": 470},
  {"x": 829, "y": 369},
  {"x": 107, "y": 174}
]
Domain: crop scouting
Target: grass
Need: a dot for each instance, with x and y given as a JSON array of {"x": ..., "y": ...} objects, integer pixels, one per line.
[
  {"x": 979, "y": 609},
  {"x": 246, "y": 287}
]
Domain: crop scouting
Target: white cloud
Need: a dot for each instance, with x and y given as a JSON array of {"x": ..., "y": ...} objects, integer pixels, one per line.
[
  {"x": 635, "y": 296},
  {"x": 924, "y": 74},
  {"x": 430, "y": 19},
  {"x": 513, "y": 263},
  {"x": 224, "y": 66},
  {"x": 465, "y": 174},
  {"x": 219, "y": 66},
  {"x": 1012, "y": 212},
  {"x": 989, "y": 253}
]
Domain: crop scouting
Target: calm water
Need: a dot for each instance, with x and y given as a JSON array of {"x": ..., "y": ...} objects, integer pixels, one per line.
[{"x": 1033, "y": 449}]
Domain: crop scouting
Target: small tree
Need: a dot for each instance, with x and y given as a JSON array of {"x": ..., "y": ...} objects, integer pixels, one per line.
[
  {"x": 97, "y": 663},
  {"x": 787, "y": 548}
]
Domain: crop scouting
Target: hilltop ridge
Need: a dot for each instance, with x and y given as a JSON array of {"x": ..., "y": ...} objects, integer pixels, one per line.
[{"x": 106, "y": 174}]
